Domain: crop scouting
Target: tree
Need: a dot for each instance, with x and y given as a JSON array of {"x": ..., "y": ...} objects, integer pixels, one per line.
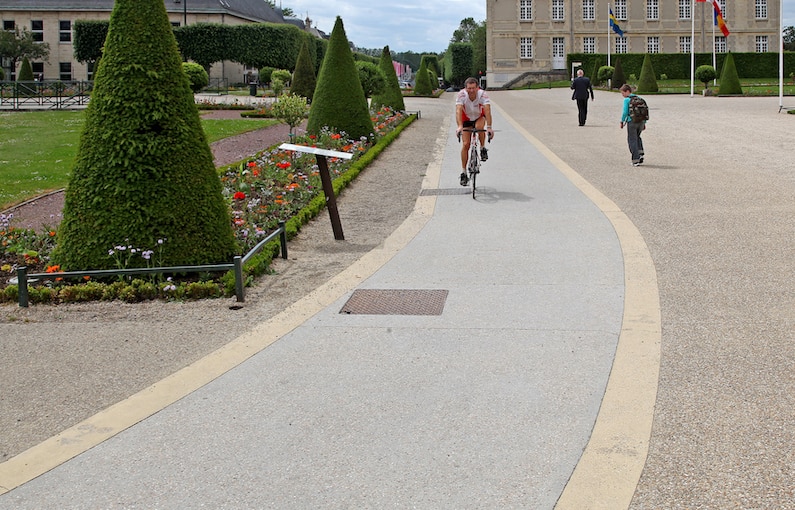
[
  {"x": 89, "y": 37},
  {"x": 286, "y": 11},
  {"x": 460, "y": 55},
  {"x": 789, "y": 38},
  {"x": 465, "y": 31},
  {"x": 339, "y": 101},
  {"x": 17, "y": 45},
  {"x": 371, "y": 77},
  {"x": 706, "y": 74},
  {"x": 304, "y": 79},
  {"x": 25, "y": 70},
  {"x": 391, "y": 96},
  {"x": 197, "y": 75},
  {"x": 422, "y": 81},
  {"x": 729, "y": 80},
  {"x": 647, "y": 81},
  {"x": 290, "y": 109},
  {"x": 479, "y": 49},
  {"x": 144, "y": 173}
]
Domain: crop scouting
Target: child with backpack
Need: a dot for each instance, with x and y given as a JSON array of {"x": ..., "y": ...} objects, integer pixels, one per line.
[{"x": 634, "y": 114}]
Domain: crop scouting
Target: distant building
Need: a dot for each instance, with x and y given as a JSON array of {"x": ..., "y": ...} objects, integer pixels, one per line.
[
  {"x": 51, "y": 21},
  {"x": 527, "y": 38}
]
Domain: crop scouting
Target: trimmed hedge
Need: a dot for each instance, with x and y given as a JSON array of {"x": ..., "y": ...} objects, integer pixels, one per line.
[
  {"x": 391, "y": 96},
  {"x": 144, "y": 170},
  {"x": 677, "y": 65},
  {"x": 339, "y": 101}
]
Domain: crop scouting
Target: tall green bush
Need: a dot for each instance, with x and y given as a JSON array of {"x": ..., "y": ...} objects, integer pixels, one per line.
[
  {"x": 25, "y": 70},
  {"x": 706, "y": 74},
  {"x": 371, "y": 77},
  {"x": 144, "y": 174},
  {"x": 729, "y": 80},
  {"x": 618, "y": 76},
  {"x": 339, "y": 101},
  {"x": 304, "y": 79},
  {"x": 197, "y": 75},
  {"x": 422, "y": 81},
  {"x": 648, "y": 81},
  {"x": 605, "y": 73},
  {"x": 391, "y": 96}
]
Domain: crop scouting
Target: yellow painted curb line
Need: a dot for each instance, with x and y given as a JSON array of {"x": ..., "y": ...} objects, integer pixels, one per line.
[
  {"x": 79, "y": 438},
  {"x": 611, "y": 465}
]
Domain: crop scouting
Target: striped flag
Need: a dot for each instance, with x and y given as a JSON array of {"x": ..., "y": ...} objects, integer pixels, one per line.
[
  {"x": 615, "y": 26},
  {"x": 718, "y": 16}
]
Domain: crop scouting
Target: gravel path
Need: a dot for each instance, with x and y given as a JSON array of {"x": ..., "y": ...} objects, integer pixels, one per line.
[{"x": 64, "y": 363}]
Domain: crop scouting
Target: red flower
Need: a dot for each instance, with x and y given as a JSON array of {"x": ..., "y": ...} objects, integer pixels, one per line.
[
  {"x": 335, "y": 136},
  {"x": 251, "y": 163},
  {"x": 283, "y": 165},
  {"x": 239, "y": 195}
]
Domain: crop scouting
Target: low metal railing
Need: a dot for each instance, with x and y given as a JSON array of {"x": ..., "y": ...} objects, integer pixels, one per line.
[
  {"x": 49, "y": 94},
  {"x": 237, "y": 265}
]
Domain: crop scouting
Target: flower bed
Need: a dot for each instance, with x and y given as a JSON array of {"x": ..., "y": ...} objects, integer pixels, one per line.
[{"x": 272, "y": 186}]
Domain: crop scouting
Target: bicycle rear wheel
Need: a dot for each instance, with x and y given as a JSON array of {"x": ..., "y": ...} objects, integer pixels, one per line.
[{"x": 474, "y": 178}]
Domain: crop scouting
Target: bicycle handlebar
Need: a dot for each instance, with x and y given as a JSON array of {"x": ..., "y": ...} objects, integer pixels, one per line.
[{"x": 473, "y": 131}]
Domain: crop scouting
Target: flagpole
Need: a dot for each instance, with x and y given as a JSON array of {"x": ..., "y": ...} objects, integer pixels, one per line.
[
  {"x": 692, "y": 43},
  {"x": 780, "y": 55},
  {"x": 608, "y": 35},
  {"x": 714, "y": 61}
]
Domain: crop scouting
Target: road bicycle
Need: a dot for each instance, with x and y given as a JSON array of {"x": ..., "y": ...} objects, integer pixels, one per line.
[{"x": 473, "y": 165}]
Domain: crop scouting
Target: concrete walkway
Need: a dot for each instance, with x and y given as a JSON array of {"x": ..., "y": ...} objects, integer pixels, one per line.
[{"x": 528, "y": 363}]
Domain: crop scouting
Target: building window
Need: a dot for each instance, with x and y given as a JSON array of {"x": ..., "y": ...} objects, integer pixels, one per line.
[
  {"x": 526, "y": 47},
  {"x": 38, "y": 70},
  {"x": 761, "y": 44},
  {"x": 8, "y": 24},
  {"x": 65, "y": 69},
  {"x": 720, "y": 44},
  {"x": 723, "y": 8},
  {"x": 558, "y": 47},
  {"x": 558, "y": 13},
  {"x": 37, "y": 29},
  {"x": 652, "y": 9},
  {"x": 684, "y": 9},
  {"x": 684, "y": 44},
  {"x": 65, "y": 31},
  {"x": 525, "y": 10},
  {"x": 588, "y": 10},
  {"x": 653, "y": 44},
  {"x": 589, "y": 44},
  {"x": 760, "y": 9},
  {"x": 90, "y": 70},
  {"x": 621, "y": 10},
  {"x": 621, "y": 45}
]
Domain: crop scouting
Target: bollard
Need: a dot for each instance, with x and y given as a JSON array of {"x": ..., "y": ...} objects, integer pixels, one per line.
[{"x": 22, "y": 286}]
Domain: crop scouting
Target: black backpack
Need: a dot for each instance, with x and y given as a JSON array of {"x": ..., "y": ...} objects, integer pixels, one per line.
[{"x": 638, "y": 109}]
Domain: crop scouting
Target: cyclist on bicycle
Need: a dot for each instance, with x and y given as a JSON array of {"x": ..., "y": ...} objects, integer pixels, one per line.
[{"x": 472, "y": 110}]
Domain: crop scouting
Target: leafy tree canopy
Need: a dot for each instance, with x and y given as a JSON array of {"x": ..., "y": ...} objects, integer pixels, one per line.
[
  {"x": 466, "y": 30},
  {"x": 18, "y": 44}
]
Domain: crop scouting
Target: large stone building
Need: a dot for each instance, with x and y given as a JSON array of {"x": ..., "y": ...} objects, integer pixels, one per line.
[
  {"x": 51, "y": 21},
  {"x": 529, "y": 39}
]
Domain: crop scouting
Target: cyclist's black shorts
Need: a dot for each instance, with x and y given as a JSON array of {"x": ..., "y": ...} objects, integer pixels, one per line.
[{"x": 468, "y": 123}]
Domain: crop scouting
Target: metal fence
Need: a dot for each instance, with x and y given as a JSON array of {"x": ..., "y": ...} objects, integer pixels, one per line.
[
  {"x": 23, "y": 278},
  {"x": 47, "y": 94}
]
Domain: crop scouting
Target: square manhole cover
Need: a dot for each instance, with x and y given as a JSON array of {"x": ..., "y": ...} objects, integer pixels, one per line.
[
  {"x": 444, "y": 191},
  {"x": 395, "y": 302}
]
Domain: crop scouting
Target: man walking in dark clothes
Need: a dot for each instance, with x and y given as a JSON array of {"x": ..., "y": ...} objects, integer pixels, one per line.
[{"x": 582, "y": 86}]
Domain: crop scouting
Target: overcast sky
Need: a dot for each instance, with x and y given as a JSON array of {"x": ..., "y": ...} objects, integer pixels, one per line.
[
  {"x": 410, "y": 25},
  {"x": 405, "y": 25}
]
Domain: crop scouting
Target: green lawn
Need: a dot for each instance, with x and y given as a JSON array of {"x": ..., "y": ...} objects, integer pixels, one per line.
[{"x": 37, "y": 149}]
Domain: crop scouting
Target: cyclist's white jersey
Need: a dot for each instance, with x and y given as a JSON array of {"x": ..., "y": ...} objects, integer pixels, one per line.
[{"x": 473, "y": 110}]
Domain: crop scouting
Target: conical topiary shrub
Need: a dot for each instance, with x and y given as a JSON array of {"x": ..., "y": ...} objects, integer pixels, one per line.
[
  {"x": 339, "y": 101},
  {"x": 391, "y": 95},
  {"x": 304, "y": 79},
  {"x": 647, "y": 82},
  {"x": 729, "y": 80},
  {"x": 25, "y": 70},
  {"x": 618, "y": 76},
  {"x": 144, "y": 175},
  {"x": 422, "y": 81}
]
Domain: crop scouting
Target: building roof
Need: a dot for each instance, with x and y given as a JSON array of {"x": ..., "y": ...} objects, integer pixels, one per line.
[{"x": 253, "y": 10}]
